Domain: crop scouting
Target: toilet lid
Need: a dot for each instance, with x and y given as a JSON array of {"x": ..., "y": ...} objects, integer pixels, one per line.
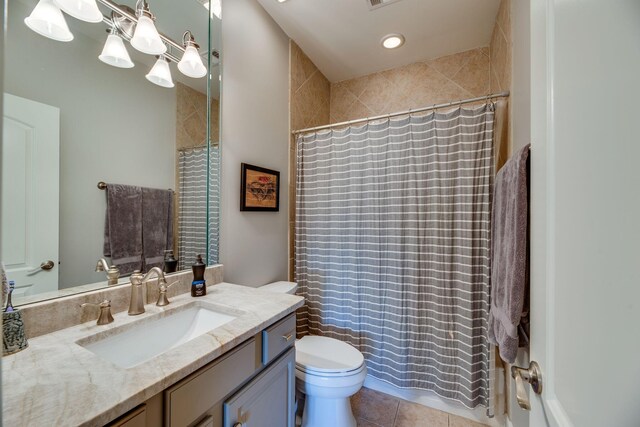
[
  {"x": 324, "y": 354},
  {"x": 281, "y": 287}
]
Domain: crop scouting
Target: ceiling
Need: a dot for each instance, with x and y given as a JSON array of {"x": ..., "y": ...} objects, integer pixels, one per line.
[{"x": 342, "y": 37}]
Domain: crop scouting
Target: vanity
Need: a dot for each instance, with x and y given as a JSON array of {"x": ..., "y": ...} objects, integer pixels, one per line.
[{"x": 163, "y": 368}]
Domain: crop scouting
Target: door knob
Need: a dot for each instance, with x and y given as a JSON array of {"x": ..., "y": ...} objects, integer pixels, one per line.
[
  {"x": 533, "y": 376},
  {"x": 47, "y": 265}
]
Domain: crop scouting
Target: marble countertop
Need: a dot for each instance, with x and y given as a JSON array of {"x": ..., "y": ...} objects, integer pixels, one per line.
[{"x": 55, "y": 381}]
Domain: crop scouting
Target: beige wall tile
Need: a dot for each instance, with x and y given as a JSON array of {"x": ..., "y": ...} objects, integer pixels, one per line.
[
  {"x": 341, "y": 101},
  {"x": 449, "y": 65},
  {"x": 501, "y": 53},
  {"x": 415, "y": 85},
  {"x": 301, "y": 67},
  {"x": 414, "y": 415},
  {"x": 498, "y": 53},
  {"x": 474, "y": 75}
]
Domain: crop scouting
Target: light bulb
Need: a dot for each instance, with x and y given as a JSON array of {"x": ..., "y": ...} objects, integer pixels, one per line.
[
  {"x": 115, "y": 53},
  {"x": 47, "y": 20},
  {"x": 191, "y": 63},
  {"x": 84, "y": 10},
  {"x": 160, "y": 74},
  {"x": 146, "y": 38},
  {"x": 393, "y": 41}
]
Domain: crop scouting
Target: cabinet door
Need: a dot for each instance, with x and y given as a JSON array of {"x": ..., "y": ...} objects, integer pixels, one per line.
[
  {"x": 135, "y": 418},
  {"x": 267, "y": 401}
]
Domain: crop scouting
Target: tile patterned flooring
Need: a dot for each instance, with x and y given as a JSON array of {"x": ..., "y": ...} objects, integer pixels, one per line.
[{"x": 374, "y": 409}]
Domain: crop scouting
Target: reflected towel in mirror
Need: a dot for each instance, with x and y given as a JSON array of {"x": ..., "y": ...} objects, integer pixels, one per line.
[
  {"x": 123, "y": 227},
  {"x": 157, "y": 226}
]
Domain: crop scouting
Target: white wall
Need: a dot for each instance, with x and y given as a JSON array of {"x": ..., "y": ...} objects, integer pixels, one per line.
[
  {"x": 115, "y": 127},
  {"x": 255, "y": 130}
]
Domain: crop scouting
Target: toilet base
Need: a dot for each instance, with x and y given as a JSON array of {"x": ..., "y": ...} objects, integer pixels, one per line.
[{"x": 324, "y": 412}]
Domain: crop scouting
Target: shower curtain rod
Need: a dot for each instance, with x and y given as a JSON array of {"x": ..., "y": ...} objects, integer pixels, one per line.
[{"x": 403, "y": 113}]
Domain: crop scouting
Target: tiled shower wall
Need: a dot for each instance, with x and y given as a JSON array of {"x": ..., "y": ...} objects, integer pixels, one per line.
[
  {"x": 309, "y": 94},
  {"x": 501, "y": 59},
  {"x": 448, "y": 78},
  {"x": 191, "y": 117}
]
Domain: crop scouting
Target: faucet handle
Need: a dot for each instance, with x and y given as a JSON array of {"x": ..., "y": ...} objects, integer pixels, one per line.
[
  {"x": 162, "y": 296},
  {"x": 136, "y": 277},
  {"x": 105, "y": 316}
]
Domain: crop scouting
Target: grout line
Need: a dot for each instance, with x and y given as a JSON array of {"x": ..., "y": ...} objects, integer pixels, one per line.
[{"x": 395, "y": 417}]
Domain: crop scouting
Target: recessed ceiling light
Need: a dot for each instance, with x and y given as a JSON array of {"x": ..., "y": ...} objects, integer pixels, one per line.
[
  {"x": 392, "y": 41},
  {"x": 281, "y": 1}
]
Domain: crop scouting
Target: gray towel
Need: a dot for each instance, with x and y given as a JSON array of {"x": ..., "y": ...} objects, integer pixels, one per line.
[
  {"x": 123, "y": 227},
  {"x": 509, "y": 259},
  {"x": 157, "y": 225}
]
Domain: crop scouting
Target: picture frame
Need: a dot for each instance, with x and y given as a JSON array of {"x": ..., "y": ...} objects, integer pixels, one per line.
[{"x": 259, "y": 189}]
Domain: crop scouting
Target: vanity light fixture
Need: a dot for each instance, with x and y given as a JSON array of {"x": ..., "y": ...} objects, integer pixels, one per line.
[
  {"x": 47, "y": 20},
  {"x": 114, "y": 52},
  {"x": 392, "y": 41},
  {"x": 191, "y": 63},
  {"x": 146, "y": 38},
  {"x": 136, "y": 26},
  {"x": 84, "y": 10},
  {"x": 160, "y": 74}
]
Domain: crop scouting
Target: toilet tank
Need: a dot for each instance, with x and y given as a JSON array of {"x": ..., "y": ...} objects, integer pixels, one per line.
[{"x": 281, "y": 287}]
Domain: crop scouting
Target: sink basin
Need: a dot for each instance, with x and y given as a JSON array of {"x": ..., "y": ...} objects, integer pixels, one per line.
[{"x": 142, "y": 341}]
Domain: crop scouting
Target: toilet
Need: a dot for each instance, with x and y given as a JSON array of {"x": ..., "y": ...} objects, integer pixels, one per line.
[{"x": 328, "y": 372}]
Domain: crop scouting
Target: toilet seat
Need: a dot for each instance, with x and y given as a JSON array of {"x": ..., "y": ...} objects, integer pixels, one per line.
[
  {"x": 305, "y": 370},
  {"x": 328, "y": 357}
]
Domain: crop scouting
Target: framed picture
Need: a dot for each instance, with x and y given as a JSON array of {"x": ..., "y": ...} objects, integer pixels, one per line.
[{"x": 260, "y": 189}]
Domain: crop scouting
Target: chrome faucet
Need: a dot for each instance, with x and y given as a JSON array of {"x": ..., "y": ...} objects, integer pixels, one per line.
[
  {"x": 136, "y": 304},
  {"x": 113, "y": 274}
]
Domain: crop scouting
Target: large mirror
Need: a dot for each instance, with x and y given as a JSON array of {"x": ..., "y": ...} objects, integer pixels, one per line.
[{"x": 105, "y": 152}]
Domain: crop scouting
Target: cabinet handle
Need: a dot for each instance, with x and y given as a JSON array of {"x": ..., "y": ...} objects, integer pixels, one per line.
[{"x": 287, "y": 338}]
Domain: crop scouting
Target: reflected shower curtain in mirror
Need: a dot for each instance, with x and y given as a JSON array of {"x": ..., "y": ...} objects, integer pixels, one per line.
[
  {"x": 193, "y": 202},
  {"x": 393, "y": 246}
]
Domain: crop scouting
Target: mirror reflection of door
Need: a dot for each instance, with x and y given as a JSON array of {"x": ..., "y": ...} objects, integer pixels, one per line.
[{"x": 30, "y": 187}]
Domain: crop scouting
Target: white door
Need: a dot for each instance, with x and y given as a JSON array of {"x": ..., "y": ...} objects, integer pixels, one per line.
[
  {"x": 30, "y": 181},
  {"x": 585, "y": 219}
]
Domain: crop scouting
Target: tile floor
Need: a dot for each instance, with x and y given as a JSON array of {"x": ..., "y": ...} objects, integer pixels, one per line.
[{"x": 374, "y": 409}]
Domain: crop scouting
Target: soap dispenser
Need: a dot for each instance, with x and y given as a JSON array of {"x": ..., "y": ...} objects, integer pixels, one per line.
[
  {"x": 198, "y": 286},
  {"x": 170, "y": 263}
]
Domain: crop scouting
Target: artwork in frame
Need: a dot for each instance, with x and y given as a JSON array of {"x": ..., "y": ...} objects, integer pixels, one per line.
[{"x": 260, "y": 189}]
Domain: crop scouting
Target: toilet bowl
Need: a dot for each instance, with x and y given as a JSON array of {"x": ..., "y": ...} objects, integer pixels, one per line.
[{"x": 328, "y": 372}]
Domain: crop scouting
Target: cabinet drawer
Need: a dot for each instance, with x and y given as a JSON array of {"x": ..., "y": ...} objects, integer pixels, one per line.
[
  {"x": 277, "y": 338},
  {"x": 188, "y": 399}
]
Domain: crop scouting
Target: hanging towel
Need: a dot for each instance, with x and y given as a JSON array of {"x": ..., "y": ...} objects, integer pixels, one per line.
[
  {"x": 157, "y": 225},
  {"x": 509, "y": 275},
  {"x": 123, "y": 227}
]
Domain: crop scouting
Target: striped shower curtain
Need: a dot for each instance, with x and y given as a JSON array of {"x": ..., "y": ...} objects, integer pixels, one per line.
[
  {"x": 192, "y": 204},
  {"x": 393, "y": 246}
]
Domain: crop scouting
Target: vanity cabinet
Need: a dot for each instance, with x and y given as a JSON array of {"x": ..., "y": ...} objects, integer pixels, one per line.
[
  {"x": 256, "y": 380},
  {"x": 262, "y": 402}
]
